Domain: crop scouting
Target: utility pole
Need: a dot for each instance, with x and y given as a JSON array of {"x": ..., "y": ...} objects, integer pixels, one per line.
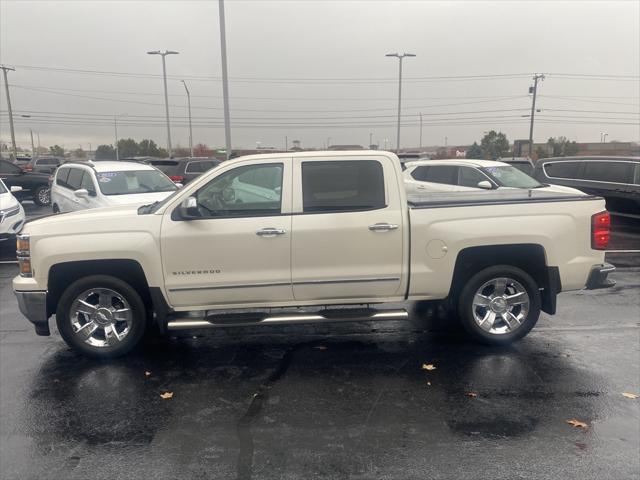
[
  {"x": 115, "y": 126},
  {"x": 33, "y": 147},
  {"x": 189, "y": 108},
  {"x": 286, "y": 143},
  {"x": 166, "y": 96},
  {"x": 225, "y": 80},
  {"x": 370, "y": 139},
  {"x": 399, "y": 57},
  {"x": 6, "y": 86},
  {"x": 533, "y": 90},
  {"x": 421, "y": 131}
]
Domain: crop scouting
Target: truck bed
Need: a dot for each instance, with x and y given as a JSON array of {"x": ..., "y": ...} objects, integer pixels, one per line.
[{"x": 490, "y": 197}]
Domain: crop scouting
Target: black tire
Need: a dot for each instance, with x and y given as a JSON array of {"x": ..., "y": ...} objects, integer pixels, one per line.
[
  {"x": 465, "y": 307},
  {"x": 42, "y": 196},
  {"x": 139, "y": 314}
]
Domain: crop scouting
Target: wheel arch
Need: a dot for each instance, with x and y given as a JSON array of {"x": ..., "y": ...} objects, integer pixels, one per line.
[
  {"x": 531, "y": 258},
  {"x": 61, "y": 275}
]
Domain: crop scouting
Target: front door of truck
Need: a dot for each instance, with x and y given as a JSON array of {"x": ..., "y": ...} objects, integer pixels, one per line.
[
  {"x": 347, "y": 229},
  {"x": 238, "y": 251}
]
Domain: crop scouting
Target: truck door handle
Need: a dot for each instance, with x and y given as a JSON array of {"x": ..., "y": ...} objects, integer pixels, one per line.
[
  {"x": 382, "y": 227},
  {"x": 270, "y": 232}
]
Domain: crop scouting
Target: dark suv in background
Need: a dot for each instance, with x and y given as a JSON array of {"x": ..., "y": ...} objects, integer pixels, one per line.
[
  {"x": 183, "y": 170},
  {"x": 35, "y": 186},
  {"x": 617, "y": 179},
  {"x": 43, "y": 164}
]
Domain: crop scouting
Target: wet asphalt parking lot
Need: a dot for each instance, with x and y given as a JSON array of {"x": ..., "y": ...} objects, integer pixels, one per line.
[{"x": 347, "y": 401}]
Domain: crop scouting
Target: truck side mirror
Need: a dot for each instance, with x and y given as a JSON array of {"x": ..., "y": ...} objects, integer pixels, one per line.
[
  {"x": 81, "y": 193},
  {"x": 188, "y": 209},
  {"x": 486, "y": 184}
]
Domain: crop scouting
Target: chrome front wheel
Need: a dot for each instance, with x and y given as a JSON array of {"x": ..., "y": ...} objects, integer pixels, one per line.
[{"x": 101, "y": 317}]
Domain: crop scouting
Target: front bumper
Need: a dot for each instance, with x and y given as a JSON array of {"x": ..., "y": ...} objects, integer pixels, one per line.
[
  {"x": 33, "y": 305},
  {"x": 598, "y": 277}
]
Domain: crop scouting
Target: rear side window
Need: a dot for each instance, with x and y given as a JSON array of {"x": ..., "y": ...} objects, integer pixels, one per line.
[
  {"x": 342, "y": 186},
  {"x": 442, "y": 174},
  {"x": 61, "y": 177},
  {"x": 198, "y": 167},
  {"x": 420, "y": 174},
  {"x": 562, "y": 169},
  {"x": 74, "y": 180},
  {"x": 614, "y": 172}
]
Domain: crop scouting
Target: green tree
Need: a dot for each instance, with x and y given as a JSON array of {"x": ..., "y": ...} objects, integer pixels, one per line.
[
  {"x": 542, "y": 152},
  {"x": 105, "y": 152},
  {"x": 562, "y": 147},
  {"x": 127, "y": 147},
  {"x": 475, "y": 151},
  {"x": 56, "y": 151},
  {"x": 148, "y": 148},
  {"x": 162, "y": 153},
  {"x": 79, "y": 153},
  {"x": 494, "y": 145}
]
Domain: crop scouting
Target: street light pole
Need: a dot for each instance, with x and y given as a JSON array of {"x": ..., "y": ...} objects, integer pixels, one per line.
[
  {"x": 421, "y": 131},
  {"x": 189, "y": 108},
  {"x": 166, "y": 96},
  {"x": 33, "y": 147},
  {"x": 115, "y": 127},
  {"x": 225, "y": 80},
  {"x": 6, "y": 86},
  {"x": 399, "y": 57}
]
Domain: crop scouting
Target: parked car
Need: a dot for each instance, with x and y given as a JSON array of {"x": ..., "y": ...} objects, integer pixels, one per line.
[
  {"x": 468, "y": 176},
  {"x": 11, "y": 212},
  {"x": 252, "y": 241},
  {"x": 83, "y": 185},
  {"x": 43, "y": 164},
  {"x": 35, "y": 186},
  {"x": 524, "y": 164},
  {"x": 617, "y": 179},
  {"x": 22, "y": 160},
  {"x": 183, "y": 170}
]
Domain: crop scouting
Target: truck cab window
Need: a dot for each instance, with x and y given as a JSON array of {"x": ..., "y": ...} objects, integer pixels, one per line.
[
  {"x": 244, "y": 191},
  {"x": 342, "y": 186}
]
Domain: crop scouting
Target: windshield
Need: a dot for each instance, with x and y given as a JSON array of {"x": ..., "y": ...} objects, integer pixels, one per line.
[
  {"x": 134, "y": 181},
  {"x": 508, "y": 176}
]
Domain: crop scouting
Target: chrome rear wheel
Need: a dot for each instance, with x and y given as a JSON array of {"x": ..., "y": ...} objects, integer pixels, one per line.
[{"x": 500, "y": 305}]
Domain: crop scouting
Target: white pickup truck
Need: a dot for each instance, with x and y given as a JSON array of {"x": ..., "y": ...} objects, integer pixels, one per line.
[{"x": 307, "y": 237}]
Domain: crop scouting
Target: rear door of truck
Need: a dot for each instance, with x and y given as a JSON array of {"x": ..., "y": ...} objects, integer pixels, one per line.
[{"x": 347, "y": 228}]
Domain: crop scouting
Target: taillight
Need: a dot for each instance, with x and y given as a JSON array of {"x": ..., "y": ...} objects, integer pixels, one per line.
[
  {"x": 176, "y": 178},
  {"x": 600, "y": 230},
  {"x": 27, "y": 168}
]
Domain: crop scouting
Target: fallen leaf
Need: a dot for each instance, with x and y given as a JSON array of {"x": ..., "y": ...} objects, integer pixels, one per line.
[
  {"x": 577, "y": 423},
  {"x": 428, "y": 366},
  {"x": 147, "y": 374},
  {"x": 632, "y": 396},
  {"x": 166, "y": 395},
  {"x": 320, "y": 347},
  {"x": 471, "y": 394}
]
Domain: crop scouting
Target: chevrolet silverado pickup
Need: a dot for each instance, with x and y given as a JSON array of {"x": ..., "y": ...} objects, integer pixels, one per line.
[{"x": 307, "y": 237}]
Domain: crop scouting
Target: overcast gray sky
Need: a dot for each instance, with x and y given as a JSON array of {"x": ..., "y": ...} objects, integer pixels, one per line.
[{"x": 315, "y": 71}]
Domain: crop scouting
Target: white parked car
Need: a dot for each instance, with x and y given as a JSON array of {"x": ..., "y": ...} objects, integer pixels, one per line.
[
  {"x": 11, "y": 212},
  {"x": 467, "y": 175},
  {"x": 83, "y": 185}
]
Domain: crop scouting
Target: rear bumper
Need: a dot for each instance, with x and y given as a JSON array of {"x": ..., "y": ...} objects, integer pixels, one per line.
[
  {"x": 598, "y": 277},
  {"x": 33, "y": 305}
]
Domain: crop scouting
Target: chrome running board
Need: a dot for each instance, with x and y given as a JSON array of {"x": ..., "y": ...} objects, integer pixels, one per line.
[{"x": 331, "y": 316}]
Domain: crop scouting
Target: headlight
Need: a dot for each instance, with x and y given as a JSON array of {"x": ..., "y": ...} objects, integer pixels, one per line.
[{"x": 23, "y": 252}]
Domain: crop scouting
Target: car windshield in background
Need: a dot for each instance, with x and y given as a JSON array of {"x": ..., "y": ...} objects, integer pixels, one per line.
[
  {"x": 134, "y": 181},
  {"x": 508, "y": 176}
]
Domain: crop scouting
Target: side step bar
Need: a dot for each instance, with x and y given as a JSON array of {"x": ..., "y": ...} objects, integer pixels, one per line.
[{"x": 288, "y": 319}]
